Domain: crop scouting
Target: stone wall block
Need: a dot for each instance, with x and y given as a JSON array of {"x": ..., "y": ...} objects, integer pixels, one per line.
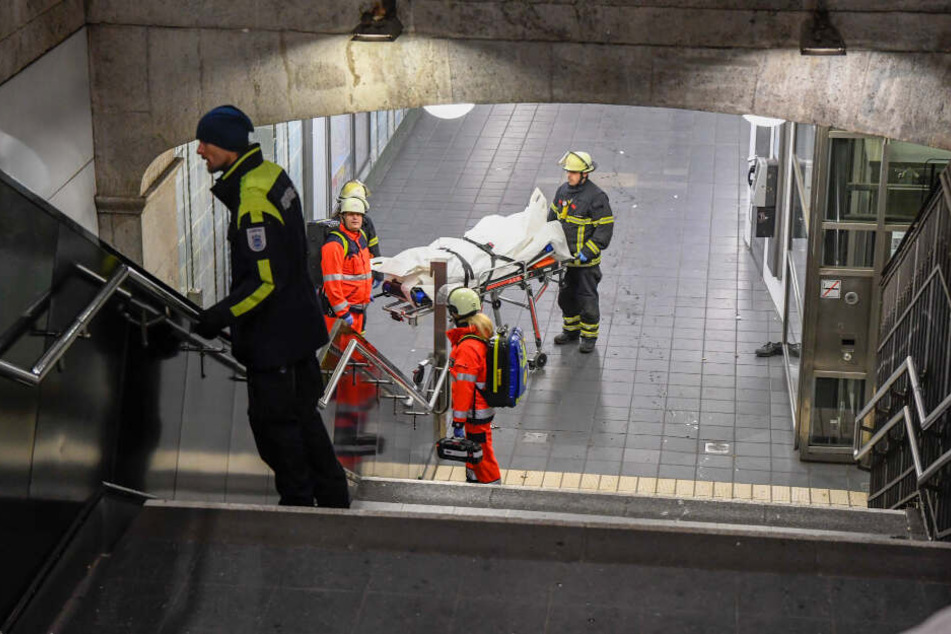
[
  {"x": 34, "y": 30},
  {"x": 584, "y": 73},
  {"x": 319, "y": 77},
  {"x": 174, "y": 74},
  {"x": 896, "y": 31},
  {"x": 927, "y": 122},
  {"x": 340, "y": 16},
  {"x": 811, "y": 89},
  {"x": 703, "y": 79},
  {"x": 410, "y": 72},
  {"x": 661, "y": 26},
  {"x": 247, "y": 70},
  {"x": 500, "y": 72},
  {"x": 119, "y": 74},
  {"x": 126, "y": 144},
  {"x": 896, "y": 93},
  {"x": 436, "y": 18},
  {"x": 219, "y": 14}
]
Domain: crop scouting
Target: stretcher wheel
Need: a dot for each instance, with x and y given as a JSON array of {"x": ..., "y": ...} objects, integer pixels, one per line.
[{"x": 538, "y": 361}]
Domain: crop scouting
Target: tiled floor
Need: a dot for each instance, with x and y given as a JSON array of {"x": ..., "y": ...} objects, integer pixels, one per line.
[{"x": 674, "y": 390}]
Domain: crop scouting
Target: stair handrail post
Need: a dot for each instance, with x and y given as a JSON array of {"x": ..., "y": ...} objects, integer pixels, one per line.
[{"x": 437, "y": 269}]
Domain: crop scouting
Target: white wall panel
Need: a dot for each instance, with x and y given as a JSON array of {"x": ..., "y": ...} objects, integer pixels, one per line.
[{"x": 46, "y": 129}]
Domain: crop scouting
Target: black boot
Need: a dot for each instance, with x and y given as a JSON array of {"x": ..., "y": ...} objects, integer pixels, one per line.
[
  {"x": 566, "y": 337},
  {"x": 587, "y": 344}
]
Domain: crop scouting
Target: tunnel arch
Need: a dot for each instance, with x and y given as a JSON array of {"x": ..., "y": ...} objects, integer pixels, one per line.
[{"x": 277, "y": 76}]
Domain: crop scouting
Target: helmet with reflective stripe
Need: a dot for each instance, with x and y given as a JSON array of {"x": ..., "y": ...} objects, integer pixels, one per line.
[
  {"x": 577, "y": 162},
  {"x": 463, "y": 302},
  {"x": 353, "y": 206}
]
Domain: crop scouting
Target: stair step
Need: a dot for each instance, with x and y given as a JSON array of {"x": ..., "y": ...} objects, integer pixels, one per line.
[{"x": 512, "y": 501}]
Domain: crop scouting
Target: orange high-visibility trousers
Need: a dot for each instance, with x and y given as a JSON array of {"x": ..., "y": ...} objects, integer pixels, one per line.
[{"x": 486, "y": 470}]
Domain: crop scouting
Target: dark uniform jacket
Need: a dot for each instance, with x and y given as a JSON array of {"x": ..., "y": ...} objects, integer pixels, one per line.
[
  {"x": 586, "y": 217},
  {"x": 272, "y": 308}
]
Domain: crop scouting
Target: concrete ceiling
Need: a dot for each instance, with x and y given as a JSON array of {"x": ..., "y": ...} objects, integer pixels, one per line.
[{"x": 156, "y": 66}]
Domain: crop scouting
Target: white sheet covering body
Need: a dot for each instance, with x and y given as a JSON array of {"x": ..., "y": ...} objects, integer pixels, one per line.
[{"x": 521, "y": 236}]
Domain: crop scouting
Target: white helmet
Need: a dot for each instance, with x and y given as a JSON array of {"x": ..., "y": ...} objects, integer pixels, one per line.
[
  {"x": 353, "y": 206},
  {"x": 463, "y": 302}
]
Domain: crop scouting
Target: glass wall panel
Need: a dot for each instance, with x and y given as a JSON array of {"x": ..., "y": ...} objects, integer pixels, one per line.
[
  {"x": 341, "y": 159},
  {"x": 805, "y": 148},
  {"x": 835, "y": 405},
  {"x": 281, "y": 149},
  {"x": 793, "y": 339},
  {"x": 265, "y": 136},
  {"x": 848, "y": 248},
  {"x": 895, "y": 238},
  {"x": 295, "y": 153},
  {"x": 854, "y": 171},
  {"x": 912, "y": 172},
  {"x": 799, "y": 240},
  {"x": 382, "y": 131},
  {"x": 361, "y": 139}
]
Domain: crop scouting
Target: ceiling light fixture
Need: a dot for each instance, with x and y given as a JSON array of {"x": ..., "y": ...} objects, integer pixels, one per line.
[
  {"x": 450, "y": 111},
  {"x": 819, "y": 36},
  {"x": 379, "y": 24}
]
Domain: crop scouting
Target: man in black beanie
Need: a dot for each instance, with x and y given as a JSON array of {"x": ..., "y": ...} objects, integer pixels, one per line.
[{"x": 274, "y": 314}]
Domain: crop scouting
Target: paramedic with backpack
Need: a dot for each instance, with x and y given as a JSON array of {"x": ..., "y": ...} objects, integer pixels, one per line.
[
  {"x": 588, "y": 222},
  {"x": 345, "y": 263},
  {"x": 471, "y": 415}
]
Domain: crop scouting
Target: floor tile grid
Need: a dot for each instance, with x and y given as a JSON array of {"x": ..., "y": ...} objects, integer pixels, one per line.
[{"x": 715, "y": 298}]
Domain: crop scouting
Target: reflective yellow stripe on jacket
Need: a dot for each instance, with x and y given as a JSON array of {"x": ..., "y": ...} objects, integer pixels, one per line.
[{"x": 262, "y": 291}]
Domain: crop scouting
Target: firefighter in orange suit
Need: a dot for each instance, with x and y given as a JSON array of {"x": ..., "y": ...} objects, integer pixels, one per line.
[
  {"x": 345, "y": 262},
  {"x": 471, "y": 415}
]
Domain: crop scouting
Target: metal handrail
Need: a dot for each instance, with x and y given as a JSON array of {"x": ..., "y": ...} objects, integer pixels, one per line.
[
  {"x": 922, "y": 475},
  {"x": 177, "y": 303},
  {"x": 55, "y": 352},
  {"x": 111, "y": 286},
  {"x": 381, "y": 362}
]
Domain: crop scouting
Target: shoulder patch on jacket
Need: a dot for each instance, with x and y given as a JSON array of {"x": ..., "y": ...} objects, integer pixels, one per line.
[
  {"x": 288, "y": 198},
  {"x": 257, "y": 239}
]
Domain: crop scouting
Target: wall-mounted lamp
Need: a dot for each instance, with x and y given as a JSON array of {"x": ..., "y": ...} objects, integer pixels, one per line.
[
  {"x": 820, "y": 37},
  {"x": 379, "y": 24}
]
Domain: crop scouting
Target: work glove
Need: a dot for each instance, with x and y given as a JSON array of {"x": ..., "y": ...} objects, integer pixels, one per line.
[
  {"x": 582, "y": 257},
  {"x": 348, "y": 319},
  {"x": 459, "y": 430},
  {"x": 209, "y": 325}
]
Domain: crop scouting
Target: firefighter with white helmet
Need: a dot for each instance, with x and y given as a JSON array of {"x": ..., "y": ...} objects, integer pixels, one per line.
[
  {"x": 584, "y": 212},
  {"x": 357, "y": 189},
  {"x": 345, "y": 264}
]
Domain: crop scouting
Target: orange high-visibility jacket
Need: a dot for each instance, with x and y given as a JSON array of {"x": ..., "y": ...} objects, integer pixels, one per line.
[
  {"x": 345, "y": 262},
  {"x": 467, "y": 367}
]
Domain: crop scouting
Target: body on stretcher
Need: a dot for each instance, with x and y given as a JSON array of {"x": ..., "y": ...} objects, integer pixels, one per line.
[{"x": 499, "y": 253}]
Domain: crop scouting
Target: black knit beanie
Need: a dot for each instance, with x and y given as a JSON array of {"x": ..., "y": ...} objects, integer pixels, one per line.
[{"x": 225, "y": 126}]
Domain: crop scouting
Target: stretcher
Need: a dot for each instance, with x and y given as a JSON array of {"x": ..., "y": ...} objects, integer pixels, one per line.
[{"x": 499, "y": 254}]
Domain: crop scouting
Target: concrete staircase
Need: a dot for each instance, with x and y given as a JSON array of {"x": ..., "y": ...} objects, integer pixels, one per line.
[{"x": 414, "y": 556}]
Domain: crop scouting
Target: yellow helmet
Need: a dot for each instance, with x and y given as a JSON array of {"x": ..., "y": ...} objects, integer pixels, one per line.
[
  {"x": 354, "y": 189},
  {"x": 577, "y": 162},
  {"x": 463, "y": 302},
  {"x": 352, "y": 206}
]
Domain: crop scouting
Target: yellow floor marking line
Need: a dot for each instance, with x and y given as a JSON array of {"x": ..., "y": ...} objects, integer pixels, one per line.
[{"x": 631, "y": 485}]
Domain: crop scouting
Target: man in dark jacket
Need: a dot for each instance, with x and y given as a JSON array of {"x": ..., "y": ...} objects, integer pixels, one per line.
[
  {"x": 585, "y": 215},
  {"x": 273, "y": 312}
]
